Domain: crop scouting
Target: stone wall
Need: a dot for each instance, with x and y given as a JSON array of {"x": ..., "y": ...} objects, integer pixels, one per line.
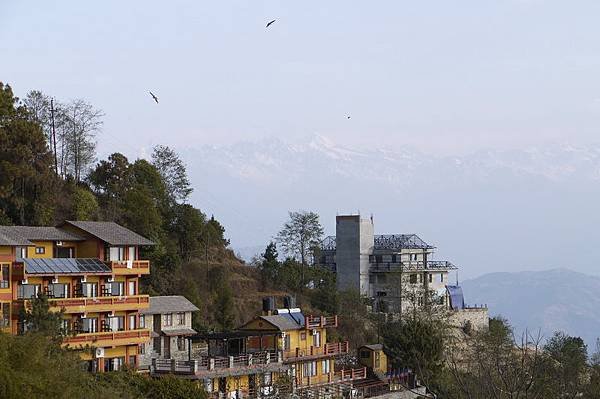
[{"x": 477, "y": 317}]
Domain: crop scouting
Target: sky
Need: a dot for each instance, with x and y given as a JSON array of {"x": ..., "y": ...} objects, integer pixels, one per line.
[
  {"x": 443, "y": 77},
  {"x": 446, "y": 77}
]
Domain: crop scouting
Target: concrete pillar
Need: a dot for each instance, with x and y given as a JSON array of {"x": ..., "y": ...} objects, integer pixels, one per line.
[
  {"x": 211, "y": 363},
  {"x": 230, "y": 362}
]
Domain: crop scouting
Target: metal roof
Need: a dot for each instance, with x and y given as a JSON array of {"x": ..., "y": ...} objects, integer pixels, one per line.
[
  {"x": 400, "y": 241},
  {"x": 9, "y": 236},
  {"x": 286, "y": 321},
  {"x": 386, "y": 241},
  {"x": 53, "y": 266},
  {"x": 44, "y": 233},
  {"x": 373, "y": 347},
  {"x": 178, "y": 331},
  {"x": 169, "y": 304},
  {"x": 111, "y": 233}
]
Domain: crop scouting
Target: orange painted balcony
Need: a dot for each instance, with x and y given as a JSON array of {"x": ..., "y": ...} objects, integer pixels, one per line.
[
  {"x": 327, "y": 350},
  {"x": 114, "y": 338},
  {"x": 311, "y": 322},
  {"x": 100, "y": 304},
  {"x": 130, "y": 267}
]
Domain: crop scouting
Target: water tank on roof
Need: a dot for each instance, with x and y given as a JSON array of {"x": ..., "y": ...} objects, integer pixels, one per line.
[
  {"x": 289, "y": 302},
  {"x": 268, "y": 304}
]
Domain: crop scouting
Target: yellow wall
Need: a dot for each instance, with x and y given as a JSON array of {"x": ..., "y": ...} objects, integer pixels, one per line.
[
  {"x": 371, "y": 361},
  {"x": 48, "y": 247}
]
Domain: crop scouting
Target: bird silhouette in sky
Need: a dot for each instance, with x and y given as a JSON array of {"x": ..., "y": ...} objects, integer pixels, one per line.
[
  {"x": 271, "y": 23},
  {"x": 348, "y": 117},
  {"x": 154, "y": 97}
]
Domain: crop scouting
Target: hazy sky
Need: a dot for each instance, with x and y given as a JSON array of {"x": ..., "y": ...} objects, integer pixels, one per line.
[{"x": 445, "y": 76}]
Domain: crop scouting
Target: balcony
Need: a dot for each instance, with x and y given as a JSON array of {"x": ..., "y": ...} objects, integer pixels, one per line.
[
  {"x": 327, "y": 350},
  {"x": 115, "y": 338},
  {"x": 99, "y": 304},
  {"x": 311, "y": 322},
  {"x": 337, "y": 377},
  {"x": 412, "y": 265},
  {"x": 130, "y": 267},
  {"x": 221, "y": 366}
]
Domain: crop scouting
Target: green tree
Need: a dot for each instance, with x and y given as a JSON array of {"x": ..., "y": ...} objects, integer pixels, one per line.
[
  {"x": 270, "y": 265},
  {"x": 173, "y": 171},
  {"x": 568, "y": 363},
  {"x": 84, "y": 204},
  {"x": 39, "y": 319},
  {"x": 25, "y": 165},
  {"x": 224, "y": 311}
]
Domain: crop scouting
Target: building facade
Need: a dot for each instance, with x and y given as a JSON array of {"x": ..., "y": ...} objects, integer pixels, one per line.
[
  {"x": 90, "y": 271},
  {"x": 169, "y": 319}
]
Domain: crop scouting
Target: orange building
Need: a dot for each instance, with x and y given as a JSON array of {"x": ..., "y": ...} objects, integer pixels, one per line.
[{"x": 90, "y": 271}]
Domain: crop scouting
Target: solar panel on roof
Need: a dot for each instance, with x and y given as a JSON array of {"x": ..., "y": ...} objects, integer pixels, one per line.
[{"x": 64, "y": 266}]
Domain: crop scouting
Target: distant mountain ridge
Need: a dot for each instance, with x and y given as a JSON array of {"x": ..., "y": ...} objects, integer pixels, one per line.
[
  {"x": 474, "y": 208},
  {"x": 546, "y": 301}
]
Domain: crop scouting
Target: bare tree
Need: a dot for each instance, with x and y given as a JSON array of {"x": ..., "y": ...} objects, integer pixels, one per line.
[
  {"x": 300, "y": 235},
  {"x": 79, "y": 124}
]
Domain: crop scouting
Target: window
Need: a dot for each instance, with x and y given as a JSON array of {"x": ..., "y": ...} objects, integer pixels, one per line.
[
  {"x": 325, "y": 367},
  {"x": 132, "y": 360},
  {"x": 4, "y": 314},
  {"x": 117, "y": 288},
  {"x": 382, "y": 279},
  {"x": 268, "y": 379},
  {"x": 431, "y": 278},
  {"x": 65, "y": 325},
  {"x": 303, "y": 336},
  {"x": 58, "y": 290},
  {"x": 89, "y": 290},
  {"x": 378, "y": 259},
  {"x": 441, "y": 277},
  {"x": 168, "y": 319},
  {"x": 317, "y": 339},
  {"x": 4, "y": 276},
  {"x": 116, "y": 253},
  {"x": 377, "y": 360},
  {"x": 286, "y": 343},
  {"x": 40, "y": 250},
  {"x": 21, "y": 252},
  {"x": 114, "y": 364},
  {"x": 142, "y": 321},
  {"x": 131, "y": 288},
  {"x": 142, "y": 349},
  {"x": 131, "y": 253},
  {"x": 116, "y": 323},
  {"x": 181, "y": 343},
  {"x": 365, "y": 354},
  {"x": 413, "y": 278},
  {"x": 309, "y": 369},
  {"x": 89, "y": 325},
  {"x": 181, "y": 318},
  {"x": 27, "y": 291},
  {"x": 131, "y": 322}
]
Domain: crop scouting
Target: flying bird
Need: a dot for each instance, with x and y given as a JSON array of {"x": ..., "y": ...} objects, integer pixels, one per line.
[
  {"x": 271, "y": 23},
  {"x": 348, "y": 117},
  {"x": 154, "y": 97}
]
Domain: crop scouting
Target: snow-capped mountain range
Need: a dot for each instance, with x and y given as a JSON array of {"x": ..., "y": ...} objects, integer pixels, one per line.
[{"x": 489, "y": 210}]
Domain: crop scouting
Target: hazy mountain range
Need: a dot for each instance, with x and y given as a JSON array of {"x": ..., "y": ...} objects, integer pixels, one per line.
[
  {"x": 545, "y": 301},
  {"x": 526, "y": 209}
]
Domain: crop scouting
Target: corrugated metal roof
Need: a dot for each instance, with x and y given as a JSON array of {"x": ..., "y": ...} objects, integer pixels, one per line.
[
  {"x": 111, "y": 233},
  {"x": 51, "y": 266},
  {"x": 169, "y": 304},
  {"x": 286, "y": 322},
  {"x": 9, "y": 236},
  {"x": 43, "y": 233}
]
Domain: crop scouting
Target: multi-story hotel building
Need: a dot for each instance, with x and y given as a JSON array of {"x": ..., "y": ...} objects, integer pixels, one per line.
[{"x": 88, "y": 270}]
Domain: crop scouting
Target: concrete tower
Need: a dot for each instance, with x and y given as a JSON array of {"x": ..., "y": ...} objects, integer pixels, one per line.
[{"x": 354, "y": 244}]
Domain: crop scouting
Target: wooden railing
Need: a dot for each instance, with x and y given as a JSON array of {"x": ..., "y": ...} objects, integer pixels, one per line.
[
  {"x": 88, "y": 304},
  {"x": 214, "y": 363},
  {"x": 106, "y": 338},
  {"x": 130, "y": 267},
  {"x": 332, "y": 348},
  {"x": 320, "y": 321}
]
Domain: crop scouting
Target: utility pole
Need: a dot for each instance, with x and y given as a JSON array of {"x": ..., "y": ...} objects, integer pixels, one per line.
[{"x": 54, "y": 136}]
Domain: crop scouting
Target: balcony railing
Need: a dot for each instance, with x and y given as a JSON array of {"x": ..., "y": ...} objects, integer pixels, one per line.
[
  {"x": 412, "y": 265},
  {"x": 333, "y": 377},
  {"x": 205, "y": 363},
  {"x": 311, "y": 322},
  {"x": 99, "y": 304},
  {"x": 126, "y": 267},
  {"x": 329, "y": 349},
  {"x": 115, "y": 338}
]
